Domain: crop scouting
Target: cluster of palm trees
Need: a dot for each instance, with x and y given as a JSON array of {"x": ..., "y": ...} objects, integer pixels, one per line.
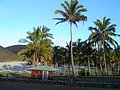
[
  {"x": 89, "y": 56},
  {"x": 100, "y": 50}
]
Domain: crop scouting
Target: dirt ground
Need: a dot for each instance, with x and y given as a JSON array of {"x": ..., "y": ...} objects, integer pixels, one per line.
[{"x": 34, "y": 86}]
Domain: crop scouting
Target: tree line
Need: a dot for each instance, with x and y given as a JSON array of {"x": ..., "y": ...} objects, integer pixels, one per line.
[{"x": 99, "y": 50}]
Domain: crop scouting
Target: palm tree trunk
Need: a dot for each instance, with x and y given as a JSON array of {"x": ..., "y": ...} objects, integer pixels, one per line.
[
  {"x": 85, "y": 70},
  {"x": 96, "y": 69},
  {"x": 33, "y": 61},
  {"x": 89, "y": 66},
  {"x": 118, "y": 68},
  {"x": 36, "y": 57},
  {"x": 73, "y": 69},
  {"x": 69, "y": 69},
  {"x": 105, "y": 63},
  {"x": 37, "y": 61},
  {"x": 101, "y": 67},
  {"x": 100, "y": 58}
]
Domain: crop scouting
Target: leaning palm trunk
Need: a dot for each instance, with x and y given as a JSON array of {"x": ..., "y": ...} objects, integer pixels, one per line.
[{"x": 71, "y": 49}]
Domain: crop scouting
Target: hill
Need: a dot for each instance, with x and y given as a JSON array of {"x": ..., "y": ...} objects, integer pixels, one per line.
[
  {"x": 15, "y": 48},
  {"x": 6, "y": 55}
]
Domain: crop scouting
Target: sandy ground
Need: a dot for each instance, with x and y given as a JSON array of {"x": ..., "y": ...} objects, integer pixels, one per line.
[{"x": 34, "y": 86}]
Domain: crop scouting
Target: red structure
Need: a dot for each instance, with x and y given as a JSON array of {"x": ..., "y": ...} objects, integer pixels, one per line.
[
  {"x": 36, "y": 74},
  {"x": 42, "y": 72}
]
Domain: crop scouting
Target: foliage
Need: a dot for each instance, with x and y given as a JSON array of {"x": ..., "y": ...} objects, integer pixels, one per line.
[
  {"x": 102, "y": 35},
  {"x": 82, "y": 72},
  {"x": 39, "y": 47}
]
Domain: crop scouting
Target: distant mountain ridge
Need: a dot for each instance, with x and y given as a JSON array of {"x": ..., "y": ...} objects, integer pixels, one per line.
[
  {"x": 10, "y": 53},
  {"x": 15, "y": 48}
]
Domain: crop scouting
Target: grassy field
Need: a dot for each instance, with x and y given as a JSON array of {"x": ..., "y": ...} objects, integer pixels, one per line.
[{"x": 34, "y": 86}]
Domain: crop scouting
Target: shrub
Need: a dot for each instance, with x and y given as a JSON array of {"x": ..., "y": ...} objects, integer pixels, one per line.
[{"x": 82, "y": 72}]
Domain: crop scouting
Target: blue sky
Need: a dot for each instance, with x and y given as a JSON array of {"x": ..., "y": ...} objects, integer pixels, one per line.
[{"x": 19, "y": 16}]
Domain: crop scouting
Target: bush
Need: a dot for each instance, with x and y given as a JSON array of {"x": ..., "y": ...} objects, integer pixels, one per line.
[
  {"x": 82, "y": 72},
  {"x": 15, "y": 74}
]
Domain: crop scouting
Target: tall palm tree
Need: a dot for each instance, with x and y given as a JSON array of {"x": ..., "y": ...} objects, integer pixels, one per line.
[
  {"x": 72, "y": 13},
  {"x": 102, "y": 35}
]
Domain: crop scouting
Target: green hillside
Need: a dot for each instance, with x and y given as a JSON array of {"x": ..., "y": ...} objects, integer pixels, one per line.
[
  {"x": 6, "y": 55},
  {"x": 15, "y": 48}
]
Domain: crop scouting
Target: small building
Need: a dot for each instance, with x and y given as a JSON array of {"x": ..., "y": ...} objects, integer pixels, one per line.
[{"x": 42, "y": 72}]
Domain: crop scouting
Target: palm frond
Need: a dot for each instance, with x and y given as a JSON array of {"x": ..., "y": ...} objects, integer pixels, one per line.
[
  {"x": 61, "y": 20},
  {"x": 82, "y": 10},
  {"x": 111, "y": 28},
  {"x": 93, "y": 29},
  {"x": 79, "y": 6},
  {"x": 82, "y": 18},
  {"x": 67, "y": 4},
  {"x": 72, "y": 7},
  {"x": 61, "y": 13},
  {"x": 111, "y": 41},
  {"x": 74, "y": 22},
  {"x": 98, "y": 23},
  {"x": 65, "y": 8}
]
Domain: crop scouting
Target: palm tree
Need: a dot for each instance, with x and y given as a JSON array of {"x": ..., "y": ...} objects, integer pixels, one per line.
[
  {"x": 46, "y": 52},
  {"x": 72, "y": 13},
  {"x": 38, "y": 42},
  {"x": 57, "y": 56},
  {"x": 102, "y": 35},
  {"x": 45, "y": 45},
  {"x": 117, "y": 58},
  {"x": 34, "y": 43}
]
